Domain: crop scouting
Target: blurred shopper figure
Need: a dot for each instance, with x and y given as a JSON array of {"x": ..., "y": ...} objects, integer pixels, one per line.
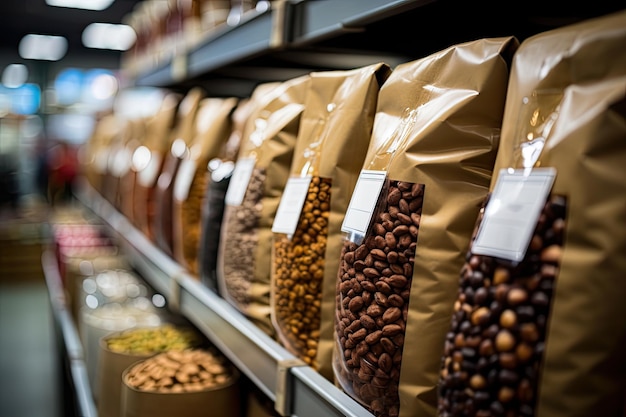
[
  {"x": 63, "y": 166},
  {"x": 9, "y": 168},
  {"x": 9, "y": 184}
]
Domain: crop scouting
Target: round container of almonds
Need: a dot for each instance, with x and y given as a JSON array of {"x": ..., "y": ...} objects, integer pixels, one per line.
[
  {"x": 121, "y": 349},
  {"x": 182, "y": 383}
]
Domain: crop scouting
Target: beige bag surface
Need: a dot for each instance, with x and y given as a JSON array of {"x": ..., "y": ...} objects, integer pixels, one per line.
[
  {"x": 119, "y": 350},
  {"x": 219, "y": 172},
  {"x": 93, "y": 165},
  {"x": 243, "y": 267},
  {"x": 334, "y": 135},
  {"x": 432, "y": 151},
  {"x": 213, "y": 126},
  {"x": 128, "y": 177},
  {"x": 182, "y": 136},
  {"x": 538, "y": 323},
  {"x": 148, "y": 162},
  {"x": 186, "y": 383}
]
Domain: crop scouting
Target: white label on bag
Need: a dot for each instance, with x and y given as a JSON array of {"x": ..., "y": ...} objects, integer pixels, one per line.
[
  {"x": 363, "y": 201},
  {"x": 512, "y": 212},
  {"x": 184, "y": 178},
  {"x": 239, "y": 181},
  {"x": 290, "y": 207}
]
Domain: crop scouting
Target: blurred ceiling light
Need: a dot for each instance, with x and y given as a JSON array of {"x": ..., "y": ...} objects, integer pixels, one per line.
[
  {"x": 104, "y": 86},
  {"x": 43, "y": 47},
  {"x": 81, "y": 4},
  {"x": 108, "y": 36},
  {"x": 14, "y": 75}
]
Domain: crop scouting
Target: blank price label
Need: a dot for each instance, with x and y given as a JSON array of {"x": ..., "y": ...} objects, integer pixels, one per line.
[
  {"x": 239, "y": 181},
  {"x": 363, "y": 201},
  {"x": 512, "y": 212},
  {"x": 290, "y": 207}
]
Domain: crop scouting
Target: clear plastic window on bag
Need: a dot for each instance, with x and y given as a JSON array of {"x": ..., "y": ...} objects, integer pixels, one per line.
[
  {"x": 494, "y": 349},
  {"x": 299, "y": 272},
  {"x": 374, "y": 282},
  {"x": 240, "y": 243}
]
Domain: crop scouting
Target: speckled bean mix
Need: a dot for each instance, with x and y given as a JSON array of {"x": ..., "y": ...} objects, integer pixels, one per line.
[
  {"x": 145, "y": 341},
  {"x": 299, "y": 272},
  {"x": 493, "y": 352},
  {"x": 241, "y": 240},
  {"x": 372, "y": 300}
]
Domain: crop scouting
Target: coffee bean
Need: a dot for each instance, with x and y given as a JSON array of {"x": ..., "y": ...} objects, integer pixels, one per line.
[
  {"x": 388, "y": 252},
  {"x": 505, "y": 304}
]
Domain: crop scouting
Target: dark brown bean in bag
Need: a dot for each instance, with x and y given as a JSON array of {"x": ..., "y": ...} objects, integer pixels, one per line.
[{"x": 544, "y": 335}]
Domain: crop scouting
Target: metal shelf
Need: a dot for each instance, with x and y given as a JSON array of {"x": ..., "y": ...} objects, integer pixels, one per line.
[
  {"x": 258, "y": 33},
  {"x": 296, "y": 389},
  {"x": 299, "y": 36},
  {"x": 250, "y": 38},
  {"x": 69, "y": 339},
  {"x": 312, "y": 20},
  {"x": 274, "y": 40}
]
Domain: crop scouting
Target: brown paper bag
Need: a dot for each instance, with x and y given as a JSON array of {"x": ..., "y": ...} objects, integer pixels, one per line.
[
  {"x": 182, "y": 136},
  {"x": 96, "y": 150},
  {"x": 219, "y": 172},
  {"x": 202, "y": 383},
  {"x": 119, "y": 350},
  {"x": 336, "y": 129},
  {"x": 243, "y": 268},
  {"x": 411, "y": 215},
  {"x": 213, "y": 125},
  {"x": 112, "y": 164},
  {"x": 148, "y": 162},
  {"x": 109, "y": 382},
  {"x": 128, "y": 177},
  {"x": 538, "y": 324}
]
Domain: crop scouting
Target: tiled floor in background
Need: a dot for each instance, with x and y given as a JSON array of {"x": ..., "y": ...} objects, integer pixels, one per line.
[{"x": 29, "y": 363}]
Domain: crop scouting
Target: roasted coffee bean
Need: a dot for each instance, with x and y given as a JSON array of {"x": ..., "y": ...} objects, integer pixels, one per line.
[
  {"x": 505, "y": 304},
  {"x": 385, "y": 257}
]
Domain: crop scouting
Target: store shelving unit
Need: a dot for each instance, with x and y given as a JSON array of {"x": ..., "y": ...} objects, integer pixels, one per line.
[
  {"x": 295, "y": 389},
  {"x": 68, "y": 341},
  {"x": 293, "y": 38}
]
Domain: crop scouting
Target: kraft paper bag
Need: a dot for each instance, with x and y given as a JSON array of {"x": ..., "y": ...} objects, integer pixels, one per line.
[
  {"x": 243, "y": 268},
  {"x": 128, "y": 175},
  {"x": 213, "y": 126},
  {"x": 537, "y": 328},
  {"x": 121, "y": 349},
  {"x": 333, "y": 139},
  {"x": 182, "y": 136},
  {"x": 219, "y": 172},
  {"x": 427, "y": 169},
  {"x": 148, "y": 162},
  {"x": 200, "y": 387},
  {"x": 93, "y": 164}
]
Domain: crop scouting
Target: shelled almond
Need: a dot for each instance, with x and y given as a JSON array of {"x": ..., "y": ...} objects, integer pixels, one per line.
[{"x": 180, "y": 371}]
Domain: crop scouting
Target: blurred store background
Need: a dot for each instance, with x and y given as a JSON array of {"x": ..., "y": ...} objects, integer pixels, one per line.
[{"x": 60, "y": 71}]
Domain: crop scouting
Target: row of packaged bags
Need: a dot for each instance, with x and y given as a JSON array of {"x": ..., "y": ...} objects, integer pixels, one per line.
[{"x": 441, "y": 238}]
